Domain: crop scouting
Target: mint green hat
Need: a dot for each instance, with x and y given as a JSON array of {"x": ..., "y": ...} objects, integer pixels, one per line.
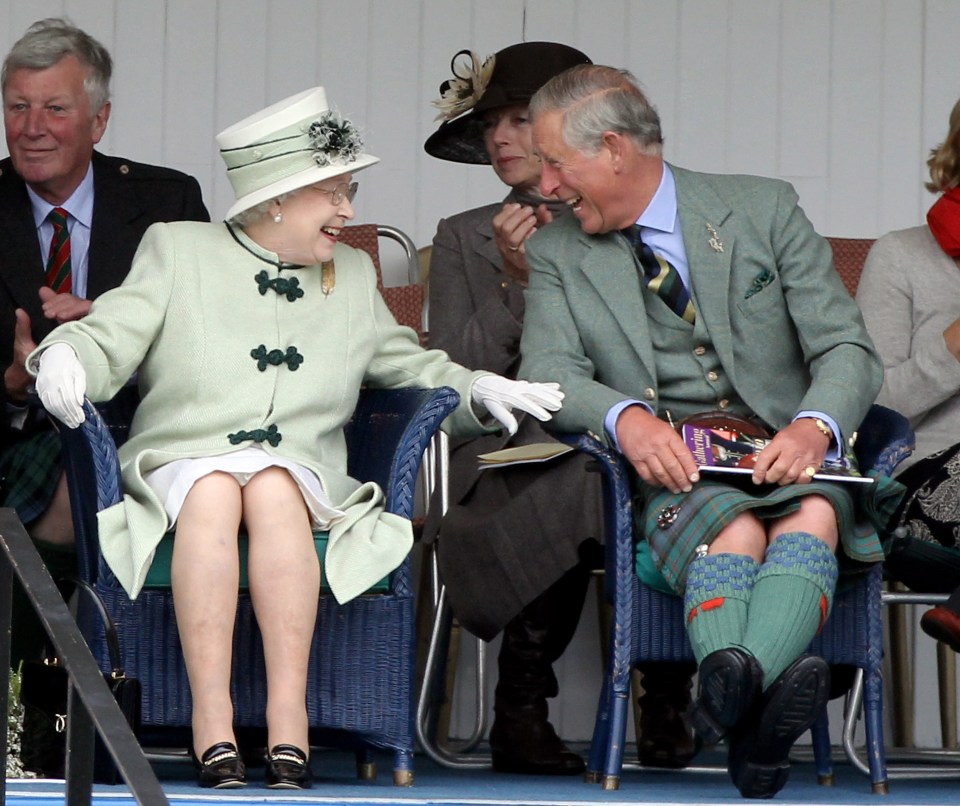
[{"x": 296, "y": 142}]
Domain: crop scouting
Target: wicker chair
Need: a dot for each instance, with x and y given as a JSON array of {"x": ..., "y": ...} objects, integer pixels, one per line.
[
  {"x": 648, "y": 626},
  {"x": 361, "y": 674}
]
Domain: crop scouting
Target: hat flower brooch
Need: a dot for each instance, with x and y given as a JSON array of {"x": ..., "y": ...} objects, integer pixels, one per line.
[
  {"x": 334, "y": 140},
  {"x": 462, "y": 92}
]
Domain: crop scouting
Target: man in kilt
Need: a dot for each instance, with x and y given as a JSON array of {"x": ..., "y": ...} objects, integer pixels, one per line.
[
  {"x": 672, "y": 293},
  {"x": 56, "y": 91}
]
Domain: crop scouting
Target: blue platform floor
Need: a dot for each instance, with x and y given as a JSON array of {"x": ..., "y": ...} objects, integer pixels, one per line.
[{"x": 336, "y": 784}]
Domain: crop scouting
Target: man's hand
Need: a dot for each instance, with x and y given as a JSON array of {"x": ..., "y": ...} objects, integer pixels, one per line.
[
  {"x": 511, "y": 228},
  {"x": 16, "y": 379},
  {"x": 792, "y": 452},
  {"x": 63, "y": 307},
  {"x": 656, "y": 450}
]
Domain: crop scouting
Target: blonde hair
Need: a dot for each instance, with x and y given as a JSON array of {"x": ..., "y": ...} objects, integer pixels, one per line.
[{"x": 944, "y": 162}]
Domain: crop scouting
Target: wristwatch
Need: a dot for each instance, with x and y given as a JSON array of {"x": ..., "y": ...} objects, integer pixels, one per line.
[{"x": 822, "y": 427}]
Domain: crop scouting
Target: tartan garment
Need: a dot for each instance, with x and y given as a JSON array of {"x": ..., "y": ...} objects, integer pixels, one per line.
[
  {"x": 29, "y": 471},
  {"x": 701, "y": 515}
]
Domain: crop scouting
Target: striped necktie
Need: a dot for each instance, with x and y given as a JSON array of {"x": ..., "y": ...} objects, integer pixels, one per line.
[
  {"x": 660, "y": 277},
  {"x": 58, "y": 261}
]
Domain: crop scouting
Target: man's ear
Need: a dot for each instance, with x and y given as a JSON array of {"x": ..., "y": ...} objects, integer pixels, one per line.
[
  {"x": 614, "y": 144},
  {"x": 99, "y": 124}
]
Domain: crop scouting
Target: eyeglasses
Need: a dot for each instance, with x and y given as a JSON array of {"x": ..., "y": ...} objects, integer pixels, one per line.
[{"x": 340, "y": 192}]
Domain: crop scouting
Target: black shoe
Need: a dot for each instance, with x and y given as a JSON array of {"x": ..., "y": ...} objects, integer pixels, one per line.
[
  {"x": 530, "y": 745},
  {"x": 730, "y": 682},
  {"x": 759, "y": 761},
  {"x": 288, "y": 768},
  {"x": 220, "y": 767}
]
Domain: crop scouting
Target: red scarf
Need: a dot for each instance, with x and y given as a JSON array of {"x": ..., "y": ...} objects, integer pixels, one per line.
[{"x": 944, "y": 221}]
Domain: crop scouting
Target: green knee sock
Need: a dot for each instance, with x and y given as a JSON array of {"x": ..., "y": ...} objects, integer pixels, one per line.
[
  {"x": 716, "y": 599},
  {"x": 791, "y": 599}
]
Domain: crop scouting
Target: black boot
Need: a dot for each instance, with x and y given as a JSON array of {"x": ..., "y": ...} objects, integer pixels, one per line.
[
  {"x": 522, "y": 739},
  {"x": 666, "y": 738}
]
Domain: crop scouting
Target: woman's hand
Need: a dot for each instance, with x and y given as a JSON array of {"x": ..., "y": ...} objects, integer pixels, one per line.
[
  {"x": 792, "y": 454},
  {"x": 62, "y": 383},
  {"x": 500, "y": 395},
  {"x": 511, "y": 228}
]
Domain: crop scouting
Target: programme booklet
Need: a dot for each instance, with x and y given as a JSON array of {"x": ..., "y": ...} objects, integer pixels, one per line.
[{"x": 718, "y": 450}]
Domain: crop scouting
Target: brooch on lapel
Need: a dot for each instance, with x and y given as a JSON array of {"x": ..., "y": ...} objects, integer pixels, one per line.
[
  {"x": 715, "y": 243},
  {"x": 328, "y": 278},
  {"x": 760, "y": 282}
]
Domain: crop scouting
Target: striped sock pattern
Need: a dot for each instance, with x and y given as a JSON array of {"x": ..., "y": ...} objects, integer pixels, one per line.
[
  {"x": 792, "y": 597},
  {"x": 716, "y": 601}
]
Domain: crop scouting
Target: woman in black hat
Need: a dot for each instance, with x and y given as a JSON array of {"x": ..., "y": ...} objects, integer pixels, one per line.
[{"x": 529, "y": 532}]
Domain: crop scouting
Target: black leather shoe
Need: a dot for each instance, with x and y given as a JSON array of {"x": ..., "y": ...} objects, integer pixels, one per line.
[
  {"x": 288, "y": 768},
  {"x": 759, "y": 760},
  {"x": 942, "y": 624},
  {"x": 532, "y": 747},
  {"x": 730, "y": 682},
  {"x": 220, "y": 767}
]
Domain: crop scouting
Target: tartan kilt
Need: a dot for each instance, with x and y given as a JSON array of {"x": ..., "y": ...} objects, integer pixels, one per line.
[
  {"x": 29, "y": 471},
  {"x": 675, "y": 524}
]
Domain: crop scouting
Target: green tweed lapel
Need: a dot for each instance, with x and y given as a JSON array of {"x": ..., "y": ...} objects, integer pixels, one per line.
[
  {"x": 709, "y": 246},
  {"x": 611, "y": 268}
]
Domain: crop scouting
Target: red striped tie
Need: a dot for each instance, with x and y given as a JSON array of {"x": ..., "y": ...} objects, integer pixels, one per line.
[{"x": 58, "y": 262}]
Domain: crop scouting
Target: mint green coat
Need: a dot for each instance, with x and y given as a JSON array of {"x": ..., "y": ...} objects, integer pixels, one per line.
[
  {"x": 786, "y": 332},
  {"x": 187, "y": 318}
]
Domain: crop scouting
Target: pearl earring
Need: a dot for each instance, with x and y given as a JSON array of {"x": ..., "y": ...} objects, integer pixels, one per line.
[{"x": 278, "y": 217}]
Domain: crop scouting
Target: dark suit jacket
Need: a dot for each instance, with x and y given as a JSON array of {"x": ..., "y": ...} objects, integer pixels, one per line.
[{"x": 128, "y": 198}]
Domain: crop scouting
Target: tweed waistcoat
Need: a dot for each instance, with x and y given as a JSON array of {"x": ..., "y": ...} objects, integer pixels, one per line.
[{"x": 690, "y": 377}]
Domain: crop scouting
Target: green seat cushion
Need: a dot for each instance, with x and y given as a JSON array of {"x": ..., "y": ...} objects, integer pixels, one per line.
[
  {"x": 647, "y": 569},
  {"x": 159, "y": 575}
]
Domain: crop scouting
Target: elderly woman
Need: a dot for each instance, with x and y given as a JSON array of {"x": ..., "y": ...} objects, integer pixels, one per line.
[
  {"x": 252, "y": 339},
  {"x": 910, "y": 296}
]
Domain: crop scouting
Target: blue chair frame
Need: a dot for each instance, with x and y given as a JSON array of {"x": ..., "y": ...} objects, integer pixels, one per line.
[
  {"x": 648, "y": 625},
  {"x": 361, "y": 689}
]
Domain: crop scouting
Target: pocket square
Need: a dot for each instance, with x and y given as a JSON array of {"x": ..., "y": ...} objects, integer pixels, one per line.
[{"x": 759, "y": 283}]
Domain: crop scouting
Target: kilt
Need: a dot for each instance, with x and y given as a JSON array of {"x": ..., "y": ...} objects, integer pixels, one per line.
[
  {"x": 673, "y": 525},
  {"x": 29, "y": 471}
]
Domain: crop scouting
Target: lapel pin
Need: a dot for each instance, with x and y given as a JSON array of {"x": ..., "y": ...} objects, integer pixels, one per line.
[{"x": 715, "y": 243}]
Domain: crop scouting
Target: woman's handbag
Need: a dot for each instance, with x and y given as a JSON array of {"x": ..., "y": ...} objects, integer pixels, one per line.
[{"x": 43, "y": 692}]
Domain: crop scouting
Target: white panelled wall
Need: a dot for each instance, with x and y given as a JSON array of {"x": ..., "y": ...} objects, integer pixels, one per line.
[{"x": 843, "y": 98}]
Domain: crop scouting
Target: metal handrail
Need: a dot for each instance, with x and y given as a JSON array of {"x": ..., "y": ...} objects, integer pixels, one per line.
[{"x": 91, "y": 708}]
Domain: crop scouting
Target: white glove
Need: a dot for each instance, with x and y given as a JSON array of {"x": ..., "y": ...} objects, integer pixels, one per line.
[
  {"x": 62, "y": 383},
  {"x": 499, "y": 395}
]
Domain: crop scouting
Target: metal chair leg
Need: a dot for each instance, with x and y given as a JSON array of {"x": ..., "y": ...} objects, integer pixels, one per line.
[
  {"x": 947, "y": 680},
  {"x": 901, "y": 674},
  {"x": 435, "y": 671}
]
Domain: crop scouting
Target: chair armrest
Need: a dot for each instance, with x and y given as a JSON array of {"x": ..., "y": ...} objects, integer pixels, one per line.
[
  {"x": 91, "y": 463},
  {"x": 617, "y": 504},
  {"x": 884, "y": 440},
  {"x": 387, "y": 435}
]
